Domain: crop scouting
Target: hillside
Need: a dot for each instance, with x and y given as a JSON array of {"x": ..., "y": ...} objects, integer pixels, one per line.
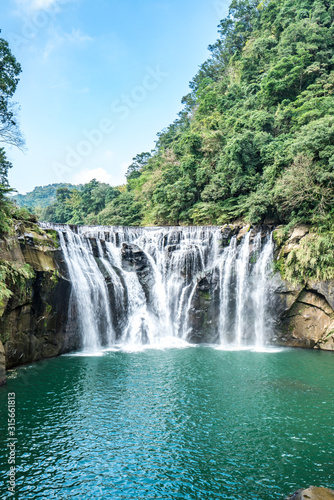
[
  {"x": 255, "y": 139},
  {"x": 256, "y": 136},
  {"x": 40, "y": 196}
]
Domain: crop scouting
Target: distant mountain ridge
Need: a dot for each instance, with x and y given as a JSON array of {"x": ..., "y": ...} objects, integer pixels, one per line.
[{"x": 41, "y": 196}]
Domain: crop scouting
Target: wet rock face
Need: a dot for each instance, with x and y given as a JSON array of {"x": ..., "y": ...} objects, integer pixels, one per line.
[
  {"x": 134, "y": 259},
  {"x": 312, "y": 493},
  {"x": 33, "y": 321},
  {"x": 308, "y": 320},
  {"x": 203, "y": 319},
  {"x": 37, "y": 329}
]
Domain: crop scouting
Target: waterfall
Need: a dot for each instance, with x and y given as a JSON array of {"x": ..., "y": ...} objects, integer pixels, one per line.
[
  {"x": 226, "y": 267},
  {"x": 242, "y": 264},
  {"x": 167, "y": 285}
]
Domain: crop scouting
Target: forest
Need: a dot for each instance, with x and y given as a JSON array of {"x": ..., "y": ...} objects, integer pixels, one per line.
[{"x": 254, "y": 140}]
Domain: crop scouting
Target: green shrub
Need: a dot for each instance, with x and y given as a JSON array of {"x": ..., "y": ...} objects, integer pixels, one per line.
[{"x": 312, "y": 259}]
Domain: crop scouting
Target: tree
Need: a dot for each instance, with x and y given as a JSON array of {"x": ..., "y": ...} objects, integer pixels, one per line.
[
  {"x": 138, "y": 163},
  {"x": 9, "y": 72},
  {"x": 9, "y": 131},
  {"x": 124, "y": 210}
]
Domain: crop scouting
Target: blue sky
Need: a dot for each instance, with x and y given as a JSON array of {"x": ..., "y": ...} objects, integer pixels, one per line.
[{"x": 99, "y": 80}]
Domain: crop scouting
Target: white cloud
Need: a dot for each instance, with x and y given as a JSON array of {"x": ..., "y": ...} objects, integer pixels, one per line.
[
  {"x": 100, "y": 174},
  {"x": 77, "y": 37},
  {"x": 58, "y": 40},
  {"x": 43, "y": 4},
  {"x": 33, "y": 5},
  {"x": 109, "y": 170}
]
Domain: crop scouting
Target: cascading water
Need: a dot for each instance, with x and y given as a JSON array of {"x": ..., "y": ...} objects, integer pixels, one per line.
[{"x": 154, "y": 286}]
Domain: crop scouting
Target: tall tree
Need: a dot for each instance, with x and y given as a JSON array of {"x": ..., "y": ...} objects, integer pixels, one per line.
[
  {"x": 9, "y": 78},
  {"x": 9, "y": 130}
]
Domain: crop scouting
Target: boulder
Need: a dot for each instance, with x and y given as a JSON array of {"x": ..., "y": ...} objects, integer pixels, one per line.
[
  {"x": 298, "y": 233},
  {"x": 307, "y": 321},
  {"x": 228, "y": 231},
  {"x": 312, "y": 493},
  {"x": 243, "y": 231}
]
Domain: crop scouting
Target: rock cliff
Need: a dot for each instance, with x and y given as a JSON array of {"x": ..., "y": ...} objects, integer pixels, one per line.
[
  {"x": 304, "y": 311},
  {"x": 35, "y": 297}
]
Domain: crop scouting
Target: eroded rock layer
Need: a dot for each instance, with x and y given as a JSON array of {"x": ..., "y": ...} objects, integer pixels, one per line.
[{"x": 34, "y": 309}]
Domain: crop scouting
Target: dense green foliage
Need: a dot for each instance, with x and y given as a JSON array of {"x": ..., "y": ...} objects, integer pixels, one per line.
[
  {"x": 311, "y": 259},
  {"x": 79, "y": 204},
  {"x": 13, "y": 277},
  {"x": 256, "y": 136},
  {"x": 9, "y": 132},
  {"x": 40, "y": 197}
]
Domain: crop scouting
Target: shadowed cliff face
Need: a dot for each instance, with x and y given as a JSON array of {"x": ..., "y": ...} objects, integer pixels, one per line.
[{"x": 34, "y": 317}]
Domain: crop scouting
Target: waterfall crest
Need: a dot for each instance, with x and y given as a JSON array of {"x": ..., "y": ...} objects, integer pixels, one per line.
[{"x": 168, "y": 285}]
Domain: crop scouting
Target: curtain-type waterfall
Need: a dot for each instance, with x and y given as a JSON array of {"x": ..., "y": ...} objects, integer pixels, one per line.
[{"x": 158, "y": 286}]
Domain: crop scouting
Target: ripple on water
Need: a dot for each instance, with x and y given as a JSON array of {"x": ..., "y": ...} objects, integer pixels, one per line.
[{"x": 174, "y": 423}]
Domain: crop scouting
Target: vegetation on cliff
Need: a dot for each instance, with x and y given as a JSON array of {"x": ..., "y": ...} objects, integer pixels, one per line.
[
  {"x": 309, "y": 258},
  {"x": 14, "y": 277}
]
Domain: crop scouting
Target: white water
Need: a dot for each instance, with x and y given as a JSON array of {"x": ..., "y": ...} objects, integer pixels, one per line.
[{"x": 114, "y": 304}]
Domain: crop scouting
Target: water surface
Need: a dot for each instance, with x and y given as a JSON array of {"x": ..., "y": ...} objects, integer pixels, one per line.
[{"x": 192, "y": 423}]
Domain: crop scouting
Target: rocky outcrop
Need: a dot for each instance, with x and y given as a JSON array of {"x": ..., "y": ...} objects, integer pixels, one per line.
[
  {"x": 203, "y": 319},
  {"x": 312, "y": 493},
  {"x": 34, "y": 310},
  {"x": 304, "y": 314},
  {"x": 134, "y": 259},
  {"x": 309, "y": 322}
]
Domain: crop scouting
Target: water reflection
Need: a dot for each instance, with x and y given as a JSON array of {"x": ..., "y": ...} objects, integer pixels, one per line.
[{"x": 194, "y": 423}]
